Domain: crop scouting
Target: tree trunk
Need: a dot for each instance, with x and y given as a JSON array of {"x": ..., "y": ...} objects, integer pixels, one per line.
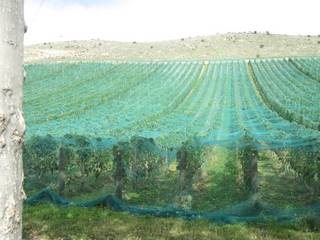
[
  {"x": 249, "y": 162},
  {"x": 12, "y": 126},
  {"x": 63, "y": 158},
  {"x": 184, "y": 182},
  {"x": 119, "y": 188},
  {"x": 184, "y": 198},
  {"x": 253, "y": 171},
  {"x": 119, "y": 171}
]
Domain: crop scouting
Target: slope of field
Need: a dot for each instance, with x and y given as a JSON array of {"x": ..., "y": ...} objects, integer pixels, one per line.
[
  {"x": 220, "y": 46},
  {"x": 172, "y": 101}
]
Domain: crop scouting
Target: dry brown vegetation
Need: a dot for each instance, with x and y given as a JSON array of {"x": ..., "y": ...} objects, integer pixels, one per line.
[{"x": 220, "y": 46}]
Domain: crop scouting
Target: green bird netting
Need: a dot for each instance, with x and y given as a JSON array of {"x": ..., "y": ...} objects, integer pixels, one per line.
[{"x": 193, "y": 139}]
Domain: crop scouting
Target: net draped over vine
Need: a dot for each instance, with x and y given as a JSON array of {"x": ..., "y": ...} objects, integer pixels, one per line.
[{"x": 163, "y": 132}]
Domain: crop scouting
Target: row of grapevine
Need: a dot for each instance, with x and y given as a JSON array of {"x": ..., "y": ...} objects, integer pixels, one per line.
[
  {"x": 88, "y": 91},
  {"x": 305, "y": 163},
  {"x": 285, "y": 93},
  {"x": 310, "y": 67},
  {"x": 173, "y": 101}
]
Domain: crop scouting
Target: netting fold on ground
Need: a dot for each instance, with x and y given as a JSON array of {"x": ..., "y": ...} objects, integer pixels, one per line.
[{"x": 247, "y": 211}]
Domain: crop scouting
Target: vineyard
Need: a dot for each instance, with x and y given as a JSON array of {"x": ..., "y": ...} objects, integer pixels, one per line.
[
  {"x": 275, "y": 100},
  {"x": 226, "y": 141}
]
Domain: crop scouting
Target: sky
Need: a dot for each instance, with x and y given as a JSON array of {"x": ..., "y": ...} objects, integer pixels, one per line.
[{"x": 157, "y": 20}]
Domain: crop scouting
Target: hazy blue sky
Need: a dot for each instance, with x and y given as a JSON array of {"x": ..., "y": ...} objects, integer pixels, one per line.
[{"x": 152, "y": 20}]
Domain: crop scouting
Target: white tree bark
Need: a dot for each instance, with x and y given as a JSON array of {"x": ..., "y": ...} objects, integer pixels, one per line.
[{"x": 12, "y": 124}]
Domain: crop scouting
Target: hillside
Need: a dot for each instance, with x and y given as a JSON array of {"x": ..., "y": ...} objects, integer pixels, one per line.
[
  {"x": 220, "y": 46},
  {"x": 264, "y": 112},
  {"x": 173, "y": 101}
]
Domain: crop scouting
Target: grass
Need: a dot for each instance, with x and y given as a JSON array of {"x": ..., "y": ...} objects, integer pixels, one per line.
[{"x": 50, "y": 222}]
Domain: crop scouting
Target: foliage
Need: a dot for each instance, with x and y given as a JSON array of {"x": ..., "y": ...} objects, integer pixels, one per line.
[
  {"x": 305, "y": 161},
  {"x": 193, "y": 161},
  {"x": 189, "y": 163},
  {"x": 41, "y": 158},
  {"x": 143, "y": 160},
  {"x": 40, "y": 155}
]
